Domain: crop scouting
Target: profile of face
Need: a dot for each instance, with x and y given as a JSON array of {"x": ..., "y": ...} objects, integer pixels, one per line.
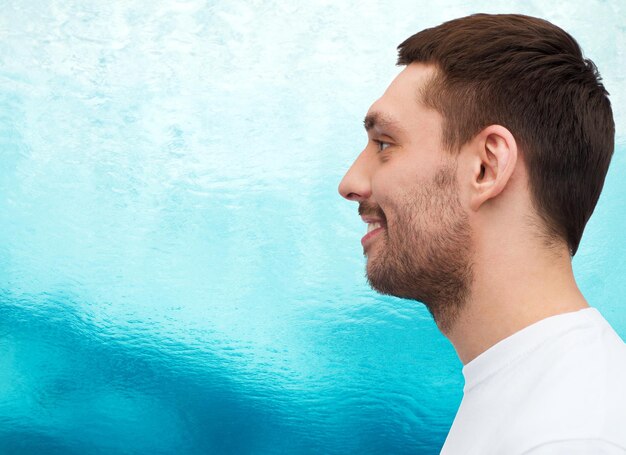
[{"x": 408, "y": 182}]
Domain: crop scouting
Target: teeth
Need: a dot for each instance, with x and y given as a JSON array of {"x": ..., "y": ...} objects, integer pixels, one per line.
[{"x": 372, "y": 226}]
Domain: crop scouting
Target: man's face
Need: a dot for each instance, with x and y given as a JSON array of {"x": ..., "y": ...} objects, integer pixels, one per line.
[{"x": 405, "y": 179}]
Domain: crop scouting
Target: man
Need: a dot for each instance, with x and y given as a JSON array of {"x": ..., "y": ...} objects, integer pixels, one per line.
[{"x": 485, "y": 159}]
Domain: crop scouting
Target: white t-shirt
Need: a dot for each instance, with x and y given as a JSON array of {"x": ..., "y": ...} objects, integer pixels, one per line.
[{"x": 555, "y": 387}]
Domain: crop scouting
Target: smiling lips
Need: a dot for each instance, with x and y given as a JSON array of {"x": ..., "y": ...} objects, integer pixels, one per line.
[{"x": 374, "y": 227}]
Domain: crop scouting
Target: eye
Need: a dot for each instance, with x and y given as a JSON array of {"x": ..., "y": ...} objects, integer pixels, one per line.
[{"x": 382, "y": 145}]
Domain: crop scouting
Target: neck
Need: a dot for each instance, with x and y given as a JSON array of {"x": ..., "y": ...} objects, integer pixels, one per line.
[{"x": 513, "y": 287}]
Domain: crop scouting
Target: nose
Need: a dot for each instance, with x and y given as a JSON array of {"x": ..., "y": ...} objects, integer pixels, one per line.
[{"x": 356, "y": 185}]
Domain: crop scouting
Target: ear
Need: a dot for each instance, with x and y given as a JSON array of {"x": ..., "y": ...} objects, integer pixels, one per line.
[{"x": 493, "y": 163}]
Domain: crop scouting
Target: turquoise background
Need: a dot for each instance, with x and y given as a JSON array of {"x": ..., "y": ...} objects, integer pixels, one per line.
[{"x": 178, "y": 273}]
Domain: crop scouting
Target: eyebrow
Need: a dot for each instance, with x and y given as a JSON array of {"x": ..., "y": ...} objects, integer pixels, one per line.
[{"x": 379, "y": 120}]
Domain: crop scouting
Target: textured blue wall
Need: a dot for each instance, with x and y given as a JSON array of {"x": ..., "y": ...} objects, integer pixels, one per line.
[{"x": 177, "y": 271}]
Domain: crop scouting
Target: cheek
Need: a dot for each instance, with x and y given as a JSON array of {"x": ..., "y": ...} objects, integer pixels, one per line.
[
  {"x": 393, "y": 178},
  {"x": 385, "y": 195},
  {"x": 404, "y": 175},
  {"x": 381, "y": 187},
  {"x": 396, "y": 189}
]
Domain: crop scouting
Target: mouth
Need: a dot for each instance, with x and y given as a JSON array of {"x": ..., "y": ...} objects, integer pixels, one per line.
[{"x": 374, "y": 227}]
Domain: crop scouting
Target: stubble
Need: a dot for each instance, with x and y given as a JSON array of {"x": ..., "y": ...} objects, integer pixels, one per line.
[{"x": 425, "y": 252}]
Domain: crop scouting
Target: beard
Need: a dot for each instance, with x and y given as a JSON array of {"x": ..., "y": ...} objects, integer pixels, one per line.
[{"x": 425, "y": 253}]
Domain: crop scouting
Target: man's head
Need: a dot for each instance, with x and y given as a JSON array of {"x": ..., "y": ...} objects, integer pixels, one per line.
[
  {"x": 530, "y": 76},
  {"x": 489, "y": 110}
]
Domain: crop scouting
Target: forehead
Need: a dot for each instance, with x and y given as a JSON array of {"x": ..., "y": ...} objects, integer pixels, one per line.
[{"x": 401, "y": 100}]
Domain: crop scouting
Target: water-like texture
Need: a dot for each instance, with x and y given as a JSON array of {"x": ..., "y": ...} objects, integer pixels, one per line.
[{"x": 178, "y": 273}]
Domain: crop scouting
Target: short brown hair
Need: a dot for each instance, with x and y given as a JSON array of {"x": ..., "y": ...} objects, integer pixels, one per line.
[{"x": 529, "y": 76}]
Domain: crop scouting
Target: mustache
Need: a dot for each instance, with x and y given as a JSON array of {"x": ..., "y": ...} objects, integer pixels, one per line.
[{"x": 369, "y": 209}]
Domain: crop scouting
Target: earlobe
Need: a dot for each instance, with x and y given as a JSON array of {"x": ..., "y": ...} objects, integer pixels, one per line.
[{"x": 495, "y": 157}]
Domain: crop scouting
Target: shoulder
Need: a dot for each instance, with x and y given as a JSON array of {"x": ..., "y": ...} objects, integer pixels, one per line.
[
  {"x": 570, "y": 393},
  {"x": 577, "y": 447}
]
